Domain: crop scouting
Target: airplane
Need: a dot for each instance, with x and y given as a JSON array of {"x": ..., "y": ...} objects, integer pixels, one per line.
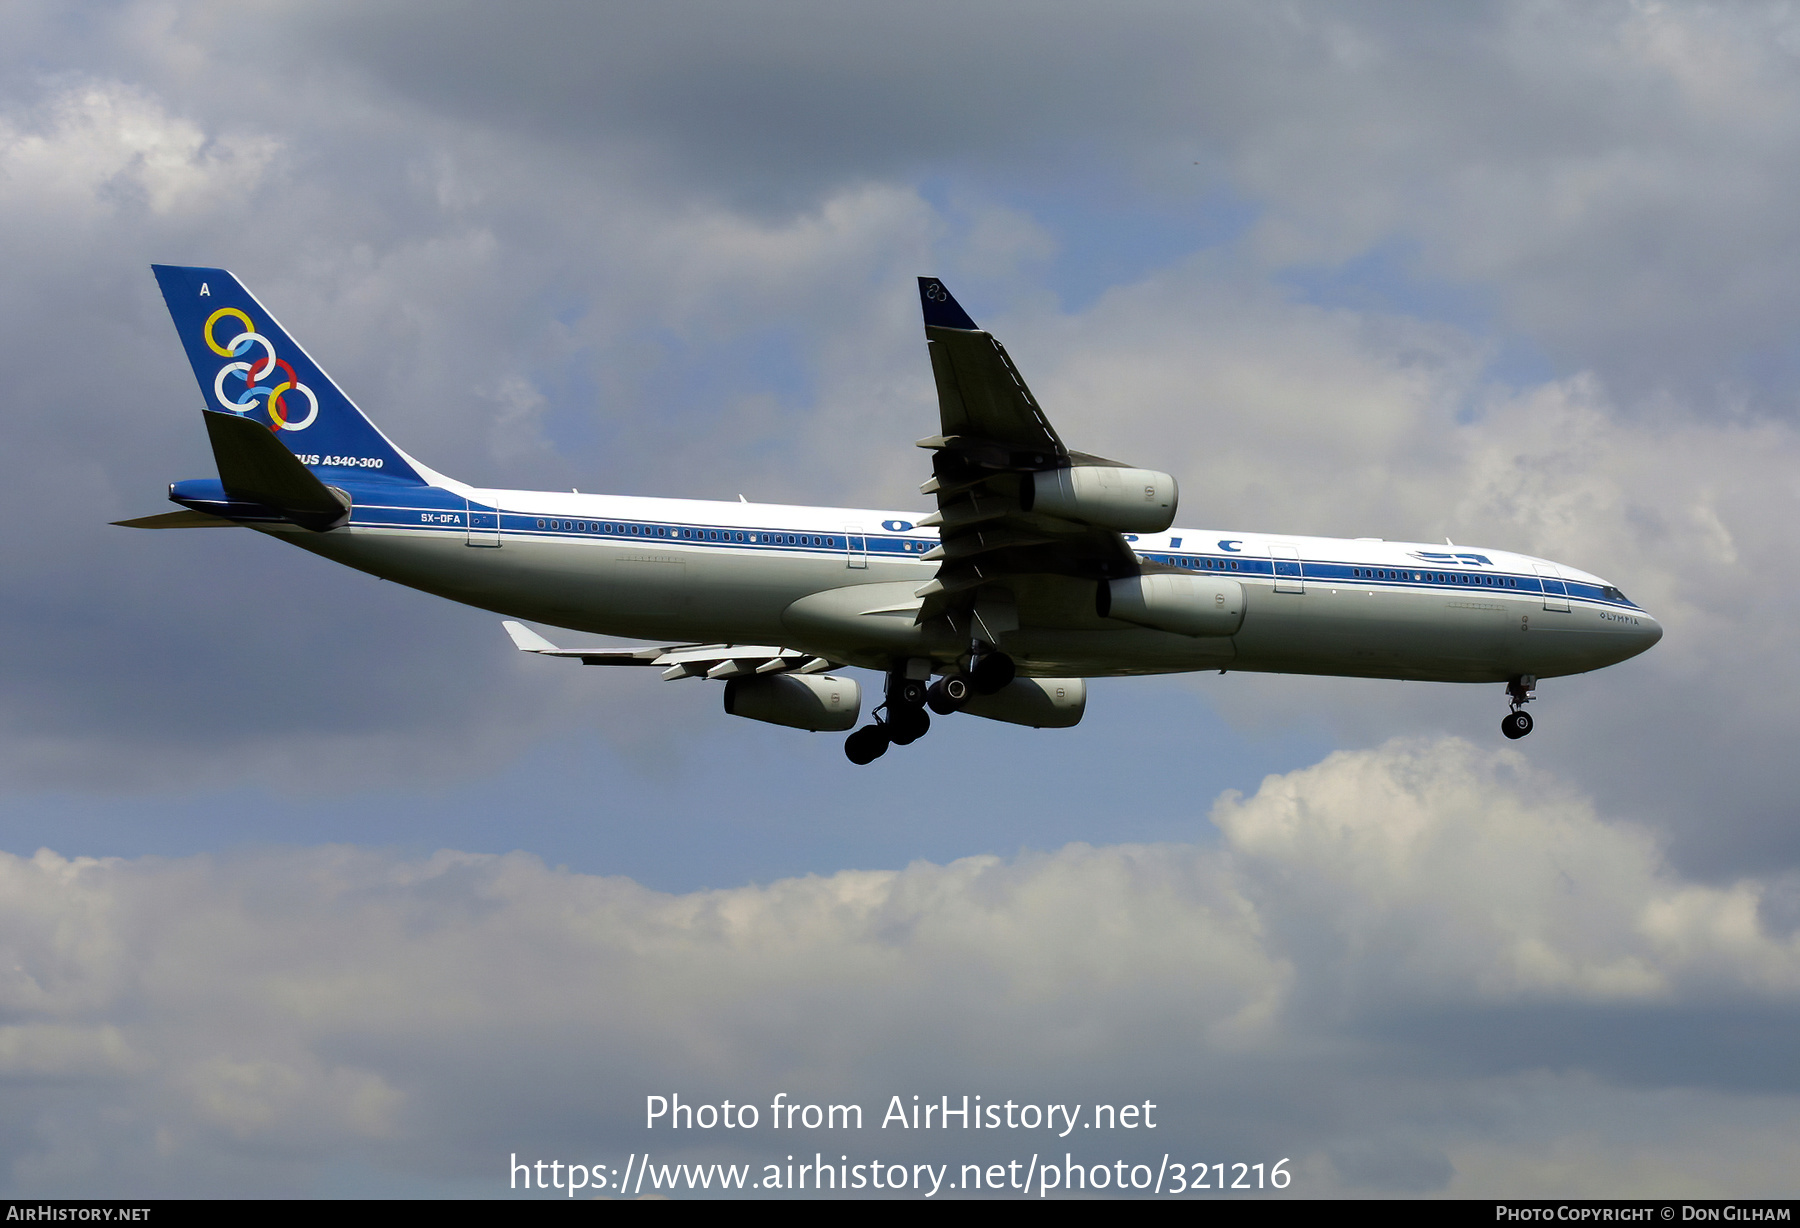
[{"x": 1039, "y": 568}]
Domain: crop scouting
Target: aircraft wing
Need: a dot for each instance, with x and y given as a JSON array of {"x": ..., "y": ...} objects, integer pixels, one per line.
[
  {"x": 681, "y": 660},
  {"x": 994, "y": 436}
]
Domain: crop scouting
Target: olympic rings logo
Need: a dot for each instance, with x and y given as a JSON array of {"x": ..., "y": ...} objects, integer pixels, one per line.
[{"x": 255, "y": 372}]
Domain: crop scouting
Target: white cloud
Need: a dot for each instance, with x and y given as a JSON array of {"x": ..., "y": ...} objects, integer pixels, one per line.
[
  {"x": 1433, "y": 870},
  {"x": 104, "y": 144},
  {"x": 316, "y": 1004}
]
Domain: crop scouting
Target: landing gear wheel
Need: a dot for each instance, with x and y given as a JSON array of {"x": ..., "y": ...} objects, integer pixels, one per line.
[
  {"x": 907, "y": 725},
  {"x": 1516, "y": 725},
  {"x": 866, "y": 745},
  {"x": 910, "y": 692},
  {"x": 993, "y": 673},
  {"x": 949, "y": 694}
]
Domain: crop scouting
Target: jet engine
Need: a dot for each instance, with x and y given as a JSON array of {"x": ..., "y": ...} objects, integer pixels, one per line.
[
  {"x": 1129, "y": 500},
  {"x": 1042, "y": 703},
  {"x": 822, "y": 703},
  {"x": 1186, "y": 605}
]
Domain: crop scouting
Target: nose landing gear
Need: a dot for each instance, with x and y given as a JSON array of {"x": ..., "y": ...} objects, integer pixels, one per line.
[{"x": 1517, "y": 723}]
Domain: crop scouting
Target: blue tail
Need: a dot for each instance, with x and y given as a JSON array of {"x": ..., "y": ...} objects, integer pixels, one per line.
[{"x": 247, "y": 365}]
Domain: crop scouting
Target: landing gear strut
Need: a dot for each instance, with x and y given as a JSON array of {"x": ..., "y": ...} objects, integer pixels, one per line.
[{"x": 1517, "y": 723}]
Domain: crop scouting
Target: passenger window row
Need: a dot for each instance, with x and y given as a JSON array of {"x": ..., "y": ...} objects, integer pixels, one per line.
[{"x": 821, "y": 541}]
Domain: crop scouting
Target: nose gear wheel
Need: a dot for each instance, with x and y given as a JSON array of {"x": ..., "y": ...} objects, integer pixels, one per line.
[{"x": 1517, "y": 723}]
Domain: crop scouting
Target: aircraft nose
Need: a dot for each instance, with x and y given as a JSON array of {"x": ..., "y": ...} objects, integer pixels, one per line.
[{"x": 1643, "y": 635}]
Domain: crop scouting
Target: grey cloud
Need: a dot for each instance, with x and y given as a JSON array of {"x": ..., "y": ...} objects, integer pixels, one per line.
[
  {"x": 1611, "y": 178},
  {"x": 205, "y": 659}
]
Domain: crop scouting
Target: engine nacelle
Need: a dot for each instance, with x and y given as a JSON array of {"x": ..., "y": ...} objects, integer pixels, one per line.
[
  {"x": 1186, "y": 605},
  {"x": 822, "y": 703},
  {"x": 1042, "y": 703},
  {"x": 1129, "y": 500}
]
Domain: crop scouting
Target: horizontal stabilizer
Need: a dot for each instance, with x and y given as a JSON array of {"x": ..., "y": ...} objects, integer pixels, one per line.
[
  {"x": 256, "y": 467},
  {"x": 178, "y": 520}
]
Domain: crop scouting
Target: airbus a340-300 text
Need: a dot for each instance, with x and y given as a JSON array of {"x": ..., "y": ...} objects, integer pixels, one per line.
[{"x": 1041, "y": 566}]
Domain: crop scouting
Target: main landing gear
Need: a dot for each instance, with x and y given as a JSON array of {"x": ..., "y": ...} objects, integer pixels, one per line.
[
  {"x": 903, "y": 719},
  {"x": 1517, "y": 723}
]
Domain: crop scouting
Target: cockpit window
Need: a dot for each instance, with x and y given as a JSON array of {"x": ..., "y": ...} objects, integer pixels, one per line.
[{"x": 1613, "y": 594}]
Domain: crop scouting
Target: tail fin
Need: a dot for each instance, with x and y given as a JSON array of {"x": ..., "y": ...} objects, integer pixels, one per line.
[{"x": 248, "y": 366}]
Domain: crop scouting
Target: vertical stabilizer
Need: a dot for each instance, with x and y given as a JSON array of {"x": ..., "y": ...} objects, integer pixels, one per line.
[{"x": 249, "y": 367}]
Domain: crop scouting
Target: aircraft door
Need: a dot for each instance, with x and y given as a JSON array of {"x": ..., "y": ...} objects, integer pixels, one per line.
[
  {"x": 1289, "y": 577},
  {"x": 1556, "y": 596},
  {"x": 856, "y": 546},
  {"x": 484, "y": 524}
]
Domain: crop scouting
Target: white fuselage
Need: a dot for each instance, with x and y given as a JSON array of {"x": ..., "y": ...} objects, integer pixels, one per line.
[{"x": 840, "y": 582}]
